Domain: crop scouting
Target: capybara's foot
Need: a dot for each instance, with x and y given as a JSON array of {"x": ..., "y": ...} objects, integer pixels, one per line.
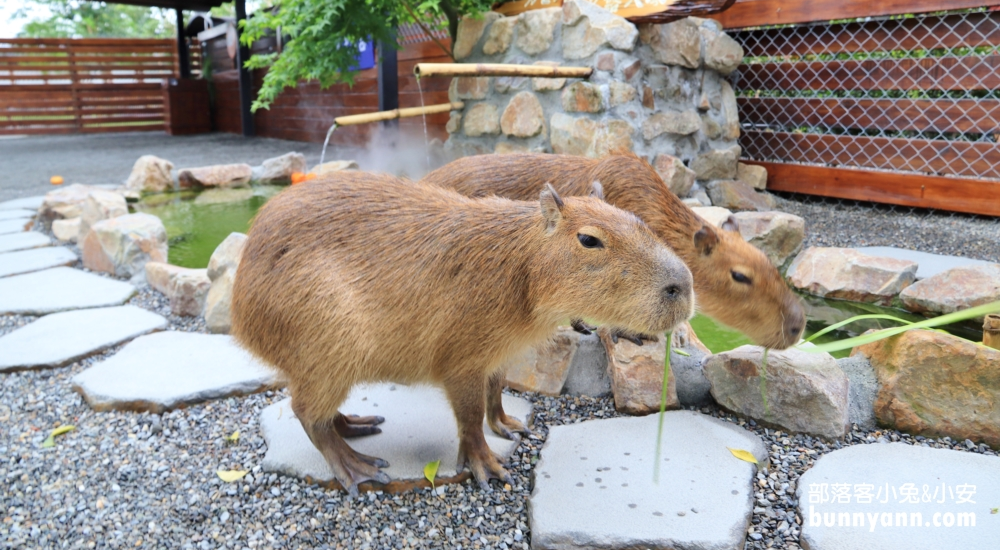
[
  {"x": 506, "y": 426},
  {"x": 581, "y": 327},
  {"x": 483, "y": 464},
  {"x": 350, "y": 425},
  {"x": 352, "y": 468},
  {"x": 636, "y": 338}
]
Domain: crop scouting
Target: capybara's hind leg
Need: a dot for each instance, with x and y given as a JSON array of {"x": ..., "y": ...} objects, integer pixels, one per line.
[
  {"x": 351, "y": 425},
  {"x": 466, "y": 392},
  {"x": 499, "y": 422}
]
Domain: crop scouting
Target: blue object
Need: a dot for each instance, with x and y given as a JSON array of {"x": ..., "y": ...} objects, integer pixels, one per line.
[{"x": 366, "y": 55}]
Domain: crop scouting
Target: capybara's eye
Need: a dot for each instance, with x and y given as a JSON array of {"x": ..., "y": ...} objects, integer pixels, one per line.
[
  {"x": 589, "y": 241},
  {"x": 740, "y": 278}
]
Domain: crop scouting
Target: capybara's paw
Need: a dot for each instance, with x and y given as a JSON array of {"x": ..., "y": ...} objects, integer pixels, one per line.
[
  {"x": 508, "y": 427},
  {"x": 353, "y": 468},
  {"x": 350, "y": 425},
  {"x": 484, "y": 466},
  {"x": 636, "y": 338},
  {"x": 581, "y": 327}
]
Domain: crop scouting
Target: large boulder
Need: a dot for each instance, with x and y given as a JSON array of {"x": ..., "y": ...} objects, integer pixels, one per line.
[
  {"x": 805, "y": 392},
  {"x": 715, "y": 215},
  {"x": 637, "y": 375},
  {"x": 64, "y": 203},
  {"x": 222, "y": 273},
  {"x": 544, "y": 369},
  {"x": 717, "y": 164},
  {"x": 67, "y": 231},
  {"x": 737, "y": 195},
  {"x": 122, "y": 246},
  {"x": 150, "y": 174},
  {"x": 185, "y": 288},
  {"x": 100, "y": 205},
  {"x": 753, "y": 175},
  {"x": 847, "y": 274},
  {"x": 679, "y": 178},
  {"x": 777, "y": 234},
  {"x": 220, "y": 175},
  {"x": 676, "y": 43},
  {"x": 523, "y": 117},
  {"x": 280, "y": 169},
  {"x": 955, "y": 289},
  {"x": 936, "y": 384}
]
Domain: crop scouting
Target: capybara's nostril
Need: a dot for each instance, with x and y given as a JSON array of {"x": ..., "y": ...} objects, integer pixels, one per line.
[
  {"x": 672, "y": 292},
  {"x": 794, "y": 325}
]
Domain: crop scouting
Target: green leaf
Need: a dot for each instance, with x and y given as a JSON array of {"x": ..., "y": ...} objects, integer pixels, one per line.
[
  {"x": 995, "y": 510},
  {"x": 682, "y": 352},
  {"x": 745, "y": 456},
  {"x": 663, "y": 408},
  {"x": 50, "y": 441},
  {"x": 835, "y": 326},
  {"x": 230, "y": 476},
  {"x": 430, "y": 472}
]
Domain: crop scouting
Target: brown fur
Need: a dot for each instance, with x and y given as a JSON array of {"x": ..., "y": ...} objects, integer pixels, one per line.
[
  {"x": 361, "y": 278},
  {"x": 765, "y": 310}
]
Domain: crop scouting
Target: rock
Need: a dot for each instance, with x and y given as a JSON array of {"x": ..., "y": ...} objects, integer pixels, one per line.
[
  {"x": 185, "y": 288},
  {"x": 685, "y": 123},
  {"x": 468, "y": 87},
  {"x": 637, "y": 375},
  {"x": 679, "y": 178},
  {"x": 736, "y": 195},
  {"x": 863, "y": 389},
  {"x": 605, "y": 61},
  {"x": 220, "y": 175},
  {"x": 59, "y": 289},
  {"x": 776, "y": 234},
  {"x": 121, "y": 246},
  {"x": 615, "y": 136},
  {"x": 500, "y": 35},
  {"x": 35, "y": 259},
  {"x": 523, "y": 117},
  {"x": 334, "y": 166},
  {"x": 585, "y": 137},
  {"x": 150, "y": 174},
  {"x": 227, "y": 255},
  {"x": 723, "y": 54},
  {"x": 470, "y": 30},
  {"x": 648, "y": 101},
  {"x": 547, "y": 84},
  {"x": 506, "y": 148},
  {"x": 16, "y": 214},
  {"x": 601, "y": 469},
  {"x": 847, "y": 274},
  {"x": 731, "y": 128},
  {"x": 588, "y": 369},
  {"x": 715, "y": 215},
  {"x": 482, "y": 119},
  {"x": 928, "y": 264},
  {"x": 23, "y": 241},
  {"x": 62, "y": 338},
  {"x": 100, "y": 205},
  {"x": 64, "y": 203},
  {"x": 582, "y": 97},
  {"x": 806, "y": 392},
  {"x": 30, "y": 203},
  {"x": 953, "y": 290},
  {"x": 592, "y": 28},
  {"x": 937, "y": 489},
  {"x": 454, "y": 122},
  {"x": 504, "y": 84},
  {"x": 67, "y": 231},
  {"x": 222, "y": 272},
  {"x": 536, "y": 29},
  {"x": 936, "y": 384},
  {"x": 280, "y": 169},
  {"x": 544, "y": 369},
  {"x": 717, "y": 163},
  {"x": 677, "y": 43},
  {"x": 702, "y": 197},
  {"x": 752, "y": 175},
  {"x": 621, "y": 93},
  {"x": 168, "y": 370},
  {"x": 419, "y": 428},
  {"x": 693, "y": 388}
]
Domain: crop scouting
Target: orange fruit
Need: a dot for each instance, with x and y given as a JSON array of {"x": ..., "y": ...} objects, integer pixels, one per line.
[
  {"x": 298, "y": 177},
  {"x": 56, "y": 180},
  {"x": 310, "y": 176}
]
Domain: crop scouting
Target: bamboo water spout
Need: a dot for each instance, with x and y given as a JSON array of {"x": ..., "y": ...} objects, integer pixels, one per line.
[
  {"x": 991, "y": 331},
  {"x": 398, "y": 113},
  {"x": 499, "y": 69}
]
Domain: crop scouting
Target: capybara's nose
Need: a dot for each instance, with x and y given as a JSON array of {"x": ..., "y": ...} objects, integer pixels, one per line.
[{"x": 795, "y": 323}]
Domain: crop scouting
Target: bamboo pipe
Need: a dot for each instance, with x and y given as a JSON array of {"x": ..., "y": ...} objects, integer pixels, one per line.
[
  {"x": 499, "y": 69},
  {"x": 397, "y": 113},
  {"x": 991, "y": 331}
]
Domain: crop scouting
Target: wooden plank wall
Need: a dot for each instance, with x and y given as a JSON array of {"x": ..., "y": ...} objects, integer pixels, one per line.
[
  {"x": 900, "y": 129},
  {"x": 305, "y": 113},
  {"x": 51, "y": 86}
]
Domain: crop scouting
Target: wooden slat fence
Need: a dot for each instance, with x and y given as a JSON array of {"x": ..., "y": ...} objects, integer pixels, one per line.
[{"x": 52, "y": 86}]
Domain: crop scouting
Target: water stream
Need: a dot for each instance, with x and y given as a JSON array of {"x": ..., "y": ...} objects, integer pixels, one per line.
[
  {"x": 427, "y": 141},
  {"x": 326, "y": 142}
]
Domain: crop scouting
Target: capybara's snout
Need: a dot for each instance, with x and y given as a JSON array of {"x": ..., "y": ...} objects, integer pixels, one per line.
[
  {"x": 676, "y": 292},
  {"x": 794, "y": 322}
]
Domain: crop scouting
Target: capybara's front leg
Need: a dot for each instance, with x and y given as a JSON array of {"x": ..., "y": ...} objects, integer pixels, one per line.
[
  {"x": 499, "y": 422},
  {"x": 466, "y": 392}
]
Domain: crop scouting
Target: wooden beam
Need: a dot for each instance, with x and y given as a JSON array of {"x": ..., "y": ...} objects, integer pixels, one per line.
[
  {"x": 755, "y": 13},
  {"x": 971, "y": 196}
]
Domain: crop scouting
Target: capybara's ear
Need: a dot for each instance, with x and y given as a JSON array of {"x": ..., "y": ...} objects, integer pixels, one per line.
[
  {"x": 597, "y": 190},
  {"x": 705, "y": 240},
  {"x": 731, "y": 224},
  {"x": 552, "y": 205}
]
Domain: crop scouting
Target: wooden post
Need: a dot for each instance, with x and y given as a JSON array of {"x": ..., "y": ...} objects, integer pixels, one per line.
[
  {"x": 183, "y": 57},
  {"x": 991, "y": 331},
  {"x": 388, "y": 80},
  {"x": 246, "y": 81}
]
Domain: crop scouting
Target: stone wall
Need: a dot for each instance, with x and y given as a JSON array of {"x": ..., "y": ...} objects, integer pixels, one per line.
[{"x": 657, "y": 90}]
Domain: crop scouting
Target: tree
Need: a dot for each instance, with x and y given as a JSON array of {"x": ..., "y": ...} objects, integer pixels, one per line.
[
  {"x": 321, "y": 37},
  {"x": 83, "y": 19}
]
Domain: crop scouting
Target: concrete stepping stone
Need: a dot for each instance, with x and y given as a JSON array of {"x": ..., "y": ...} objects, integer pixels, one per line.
[
  {"x": 16, "y": 214},
  {"x": 60, "y": 289},
  {"x": 928, "y": 264},
  {"x": 30, "y": 203},
  {"x": 419, "y": 428},
  {"x": 36, "y": 259},
  {"x": 13, "y": 226},
  {"x": 23, "y": 241},
  {"x": 62, "y": 338},
  {"x": 594, "y": 484},
  {"x": 167, "y": 370},
  {"x": 898, "y": 496}
]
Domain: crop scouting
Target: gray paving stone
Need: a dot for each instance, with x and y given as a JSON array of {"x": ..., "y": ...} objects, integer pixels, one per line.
[
  {"x": 60, "y": 289},
  {"x": 23, "y": 241},
  {"x": 31, "y": 203},
  {"x": 924, "y": 486},
  {"x": 13, "y": 226},
  {"x": 419, "y": 428},
  {"x": 166, "y": 370},
  {"x": 16, "y": 214},
  {"x": 61, "y": 338},
  {"x": 36, "y": 259},
  {"x": 594, "y": 485},
  {"x": 928, "y": 264}
]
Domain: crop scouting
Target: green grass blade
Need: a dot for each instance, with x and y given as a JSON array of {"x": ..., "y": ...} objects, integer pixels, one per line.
[
  {"x": 663, "y": 408},
  {"x": 835, "y": 326},
  {"x": 848, "y": 343}
]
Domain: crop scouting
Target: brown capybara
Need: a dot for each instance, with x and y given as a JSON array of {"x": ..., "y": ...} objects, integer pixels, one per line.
[
  {"x": 358, "y": 278},
  {"x": 734, "y": 282}
]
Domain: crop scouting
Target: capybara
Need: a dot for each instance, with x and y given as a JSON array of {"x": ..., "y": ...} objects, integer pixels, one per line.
[
  {"x": 358, "y": 277},
  {"x": 734, "y": 282}
]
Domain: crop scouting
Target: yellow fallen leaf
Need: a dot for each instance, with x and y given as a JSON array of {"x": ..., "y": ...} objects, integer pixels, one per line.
[
  {"x": 430, "y": 472},
  {"x": 994, "y": 510},
  {"x": 230, "y": 476},
  {"x": 50, "y": 441},
  {"x": 234, "y": 438},
  {"x": 745, "y": 456}
]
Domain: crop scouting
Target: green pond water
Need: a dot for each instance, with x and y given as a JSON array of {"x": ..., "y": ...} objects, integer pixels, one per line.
[{"x": 197, "y": 222}]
